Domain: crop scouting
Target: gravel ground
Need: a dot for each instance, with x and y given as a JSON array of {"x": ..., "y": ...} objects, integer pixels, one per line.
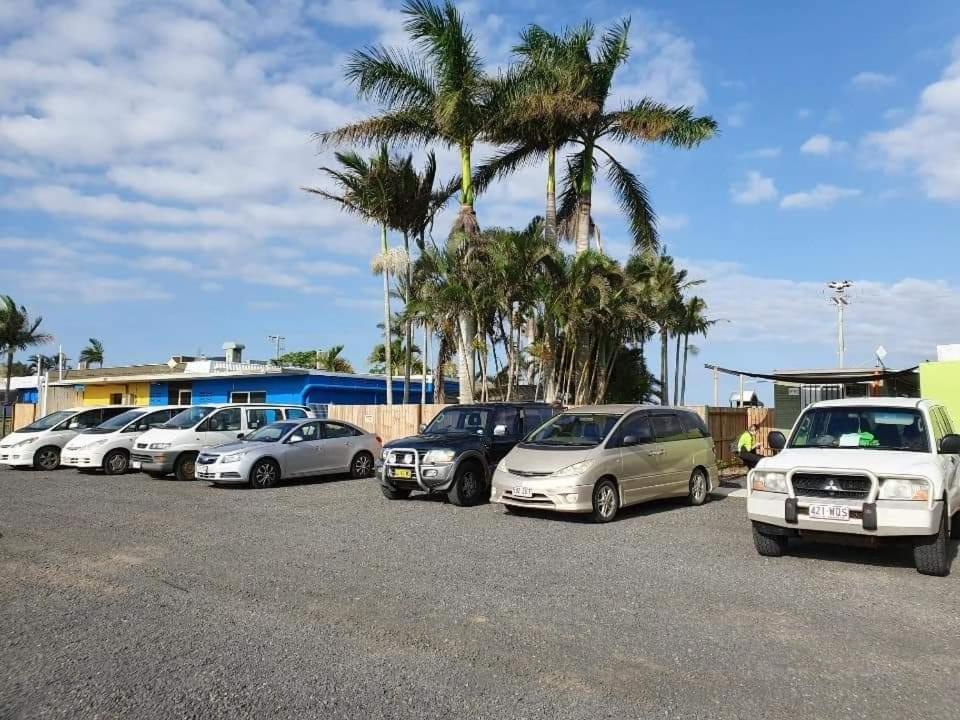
[{"x": 133, "y": 597}]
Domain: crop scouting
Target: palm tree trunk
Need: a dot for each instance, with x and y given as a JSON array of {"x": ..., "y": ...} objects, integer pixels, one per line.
[
  {"x": 423, "y": 365},
  {"x": 408, "y": 355},
  {"x": 585, "y": 202},
  {"x": 6, "y": 395},
  {"x": 465, "y": 333},
  {"x": 550, "y": 219},
  {"x": 664, "y": 366},
  {"x": 508, "y": 342},
  {"x": 686, "y": 351},
  {"x": 386, "y": 318},
  {"x": 548, "y": 367},
  {"x": 676, "y": 373}
]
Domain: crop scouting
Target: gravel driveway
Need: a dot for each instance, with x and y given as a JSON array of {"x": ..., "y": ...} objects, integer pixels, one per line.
[{"x": 133, "y": 597}]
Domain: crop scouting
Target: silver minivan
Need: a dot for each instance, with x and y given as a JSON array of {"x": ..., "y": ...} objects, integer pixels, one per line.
[{"x": 601, "y": 458}]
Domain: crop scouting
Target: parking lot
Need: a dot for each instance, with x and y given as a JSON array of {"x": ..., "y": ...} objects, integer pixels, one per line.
[{"x": 128, "y": 596}]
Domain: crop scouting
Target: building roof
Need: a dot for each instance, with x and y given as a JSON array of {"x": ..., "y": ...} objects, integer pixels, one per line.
[
  {"x": 111, "y": 374},
  {"x": 26, "y": 382}
]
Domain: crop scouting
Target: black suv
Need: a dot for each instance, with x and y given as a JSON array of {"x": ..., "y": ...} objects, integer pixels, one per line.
[{"x": 457, "y": 452}]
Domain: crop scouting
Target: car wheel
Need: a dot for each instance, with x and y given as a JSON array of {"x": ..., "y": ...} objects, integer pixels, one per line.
[
  {"x": 185, "y": 468},
  {"x": 47, "y": 458},
  {"x": 116, "y": 462},
  {"x": 606, "y": 501},
  {"x": 699, "y": 487},
  {"x": 931, "y": 553},
  {"x": 362, "y": 465},
  {"x": 469, "y": 485},
  {"x": 265, "y": 474},
  {"x": 394, "y": 494},
  {"x": 769, "y": 545}
]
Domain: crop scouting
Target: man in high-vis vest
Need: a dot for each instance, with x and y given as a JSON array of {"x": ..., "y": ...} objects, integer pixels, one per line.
[{"x": 747, "y": 447}]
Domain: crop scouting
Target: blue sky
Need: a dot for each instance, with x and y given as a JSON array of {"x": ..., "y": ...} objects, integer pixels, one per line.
[{"x": 151, "y": 155}]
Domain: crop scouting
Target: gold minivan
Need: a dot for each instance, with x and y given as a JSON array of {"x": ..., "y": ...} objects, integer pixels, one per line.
[{"x": 598, "y": 459}]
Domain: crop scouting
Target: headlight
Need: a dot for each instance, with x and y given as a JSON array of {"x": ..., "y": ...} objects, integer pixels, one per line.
[
  {"x": 24, "y": 442},
  {"x": 439, "y": 456},
  {"x": 573, "y": 470},
  {"x": 159, "y": 446},
  {"x": 233, "y": 457},
  {"x": 895, "y": 489},
  {"x": 769, "y": 481}
]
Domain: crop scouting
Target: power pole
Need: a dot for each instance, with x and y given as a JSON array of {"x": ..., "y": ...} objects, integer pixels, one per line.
[
  {"x": 840, "y": 299},
  {"x": 278, "y": 341}
]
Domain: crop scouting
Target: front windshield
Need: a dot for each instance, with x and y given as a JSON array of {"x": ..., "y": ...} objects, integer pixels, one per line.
[
  {"x": 575, "y": 429},
  {"x": 459, "y": 420},
  {"x": 862, "y": 427},
  {"x": 117, "y": 422},
  {"x": 48, "y": 421},
  {"x": 270, "y": 433},
  {"x": 188, "y": 418}
]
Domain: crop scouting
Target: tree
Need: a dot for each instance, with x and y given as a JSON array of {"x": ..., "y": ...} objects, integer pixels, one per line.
[
  {"x": 694, "y": 322},
  {"x": 378, "y": 357},
  {"x": 18, "y": 331},
  {"x": 92, "y": 353},
  {"x": 330, "y": 360},
  {"x": 41, "y": 363},
  {"x": 367, "y": 189}
]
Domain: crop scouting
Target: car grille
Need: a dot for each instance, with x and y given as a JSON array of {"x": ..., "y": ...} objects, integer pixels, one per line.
[
  {"x": 528, "y": 473},
  {"x": 77, "y": 461},
  {"x": 852, "y": 487},
  {"x": 404, "y": 457},
  {"x": 538, "y": 499},
  {"x": 142, "y": 446},
  {"x": 141, "y": 458}
]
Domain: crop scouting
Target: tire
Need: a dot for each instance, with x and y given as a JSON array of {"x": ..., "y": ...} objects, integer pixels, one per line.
[
  {"x": 392, "y": 494},
  {"x": 264, "y": 474},
  {"x": 116, "y": 462},
  {"x": 47, "y": 458},
  {"x": 699, "y": 487},
  {"x": 469, "y": 485},
  {"x": 185, "y": 468},
  {"x": 361, "y": 466},
  {"x": 769, "y": 545},
  {"x": 931, "y": 553},
  {"x": 606, "y": 501}
]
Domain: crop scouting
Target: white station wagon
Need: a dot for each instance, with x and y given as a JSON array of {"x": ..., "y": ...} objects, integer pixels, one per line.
[{"x": 877, "y": 467}]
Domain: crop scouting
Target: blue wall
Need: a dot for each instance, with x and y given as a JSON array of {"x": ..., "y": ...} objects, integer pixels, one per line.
[{"x": 158, "y": 393}]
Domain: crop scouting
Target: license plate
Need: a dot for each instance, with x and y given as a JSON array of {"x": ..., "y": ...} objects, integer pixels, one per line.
[
  {"x": 522, "y": 492},
  {"x": 135, "y": 465},
  {"x": 829, "y": 512},
  {"x": 402, "y": 473}
]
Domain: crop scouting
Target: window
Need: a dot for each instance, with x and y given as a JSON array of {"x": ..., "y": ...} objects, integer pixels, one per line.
[
  {"x": 151, "y": 420},
  {"x": 509, "y": 417},
  {"x": 184, "y": 397},
  {"x": 333, "y": 431},
  {"x": 876, "y": 428},
  {"x": 256, "y": 396},
  {"x": 258, "y": 417},
  {"x": 693, "y": 425},
  {"x": 224, "y": 421},
  {"x": 308, "y": 432},
  {"x": 637, "y": 425},
  {"x": 574, "y": 429},
  {"x": 116, "y": 398},
  {"x": 667, "y": 427},
  {"x": 534, "y": 418},
  {"x": 86, "y": 420},
  {"x": 458, "y": 420},
  {"x": 298, "y": 414}
]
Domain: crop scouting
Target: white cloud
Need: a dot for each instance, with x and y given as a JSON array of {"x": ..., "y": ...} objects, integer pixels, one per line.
[
  {"x": 672, "y": 222},
  {"x": 822, "y": 145},
  {"x": 764, "y": 153},
  {"x": 757, "y": 188},
  {"x": 821, "y": 196},
  {"x": 804, "y": 113},
  {"x": 928, "y": 143},
  {"x": 736, "y": 116},
  {"x": 97, "y": 289},
  {"x": 872, "y": 80}
]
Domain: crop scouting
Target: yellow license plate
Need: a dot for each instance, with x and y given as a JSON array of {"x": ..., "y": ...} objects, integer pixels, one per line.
[{"x": 403, "y": 474}]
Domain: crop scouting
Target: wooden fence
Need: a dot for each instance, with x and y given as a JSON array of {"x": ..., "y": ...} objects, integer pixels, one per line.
[
  {"x": 63, "y": 398},
  {"x": 389, "y": 422},
  {"x": 725, "y": 425}
]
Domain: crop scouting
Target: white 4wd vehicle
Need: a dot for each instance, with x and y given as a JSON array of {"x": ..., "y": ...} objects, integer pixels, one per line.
[{"x": 877, "y": 467}]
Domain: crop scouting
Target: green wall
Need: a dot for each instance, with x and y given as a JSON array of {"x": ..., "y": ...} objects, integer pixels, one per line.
[{"x": 940, "y": 381}]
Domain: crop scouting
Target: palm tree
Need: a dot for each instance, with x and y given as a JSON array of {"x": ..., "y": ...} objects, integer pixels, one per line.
[
  {"x": 378, "y": 357},
  {"x": 330, "y": 360},
  {"x": 17, "y": 333},
  {"x": 695, "y": 322},
  {"x": 367, "y": 190},
  {"x": 92, "y": 353},
  {"x": 40, "y": 362}
]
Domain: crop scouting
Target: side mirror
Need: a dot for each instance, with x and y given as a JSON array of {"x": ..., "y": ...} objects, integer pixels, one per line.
[
  {"x": 950, "y": 445},
  {"x": 630, "y": 440},
  {"x": 500, "y": 431},
  {"x": 240, "y": 436},
  {"x": 294, "y": 439},
  {"x": 423, "y": 426},
  {"x": 776, "y": 440}
]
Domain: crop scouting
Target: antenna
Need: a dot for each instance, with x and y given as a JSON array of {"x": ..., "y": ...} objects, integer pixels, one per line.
[
  {"x": 278, "y": 341},
  {"x": 840, "y": 299}
]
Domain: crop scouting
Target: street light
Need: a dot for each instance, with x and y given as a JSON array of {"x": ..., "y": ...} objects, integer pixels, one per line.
[{"x": 840, "y": 300}]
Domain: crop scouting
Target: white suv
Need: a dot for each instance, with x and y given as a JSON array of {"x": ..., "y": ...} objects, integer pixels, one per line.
[{"x": 877, "y": 467}]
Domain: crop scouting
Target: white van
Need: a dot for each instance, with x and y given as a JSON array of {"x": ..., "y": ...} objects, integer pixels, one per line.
[
  {"x": 39, "y": 444},
  {"x": 173, "y": 447},
  {"x": 107, "y": 447}
]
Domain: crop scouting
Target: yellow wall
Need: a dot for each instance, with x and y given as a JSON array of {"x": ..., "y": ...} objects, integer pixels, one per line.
[
  {"x": 940, "y": 381},
  {"x": 100, "y": 394}
]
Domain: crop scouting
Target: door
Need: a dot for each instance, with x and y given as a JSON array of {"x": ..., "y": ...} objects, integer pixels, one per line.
[
  {"x": 304, "y": 452},
  {"x": 224, "y": 426},
  {"x": 184, "y": 397},
  {"x": 505, "y": 433},
  {"x": 640, "y": 456},
  {"x": 674, "y": 462},
  {"x": 339, "y": 443},
  {"x": 949, "y": 463}
]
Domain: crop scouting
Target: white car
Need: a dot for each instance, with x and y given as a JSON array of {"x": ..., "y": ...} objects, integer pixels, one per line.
[
  {"x": 173, "y": 447},
  {"x": 876, "y": 467},
  {"x": 107, "y": 447},
  {"x": 39, "y": 444}
]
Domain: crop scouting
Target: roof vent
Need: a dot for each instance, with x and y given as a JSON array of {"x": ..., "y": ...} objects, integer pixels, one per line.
[{"x": 234, "y": 351}]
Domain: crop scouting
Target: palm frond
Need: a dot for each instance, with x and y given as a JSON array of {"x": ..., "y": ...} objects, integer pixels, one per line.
[
  {"x": 503, "y": 164},
  {"x": 635, "y": 204},
  {"x": 390, "y": 77},
  {"x": 650, "y": 121},
  {"x": 413, "y": 126}
]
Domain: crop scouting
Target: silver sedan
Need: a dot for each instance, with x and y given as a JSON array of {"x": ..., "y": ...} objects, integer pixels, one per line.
[{"x": 291, "y": 449}]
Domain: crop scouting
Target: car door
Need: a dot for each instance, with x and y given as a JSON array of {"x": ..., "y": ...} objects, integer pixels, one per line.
[
  {"x": 504, "y": 433},
  {"x": 338, "y": 444},
  {"x": 222, "y": 427},
  {"x": 671, "y": 437},
  {"x": 640, "y": 453},
  {"x": 950, "y": 462},
  {"x": 303, "y": 452}
]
